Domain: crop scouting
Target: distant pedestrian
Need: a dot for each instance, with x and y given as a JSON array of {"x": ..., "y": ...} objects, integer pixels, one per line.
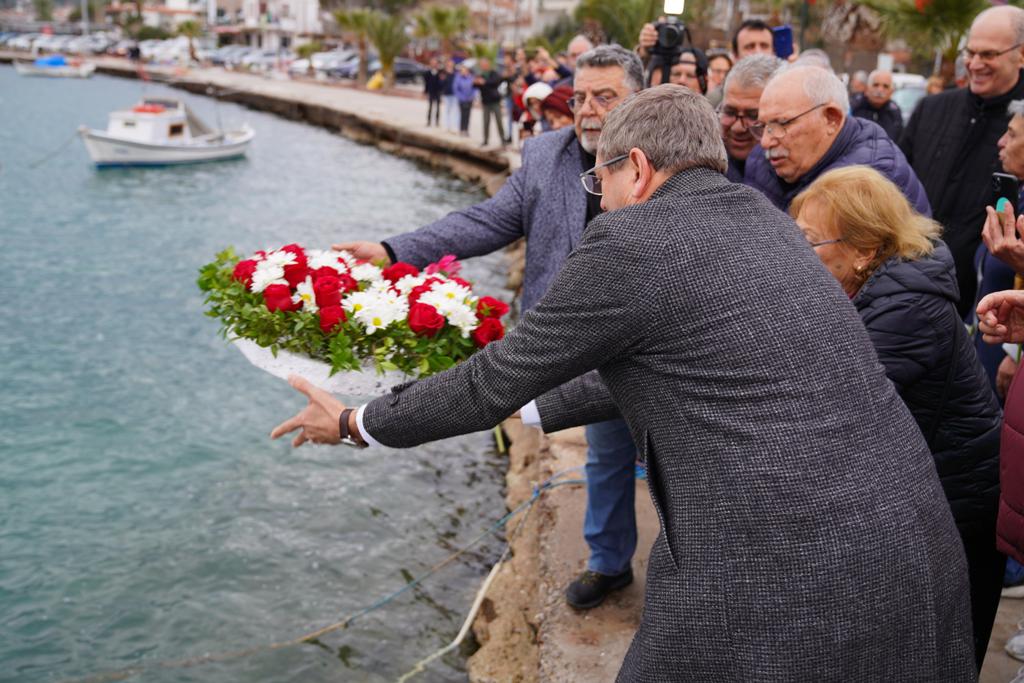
[
  {"x": 433, "y": 87},
  {"x": 858, "y": 83},
  {"x": 555, "y": 108},
  {"x": 488, "y": 83},
  {"x": 465, "y": 93},
  {"x": 876, "y": 104},
  {"x": 451, "y": 102}
]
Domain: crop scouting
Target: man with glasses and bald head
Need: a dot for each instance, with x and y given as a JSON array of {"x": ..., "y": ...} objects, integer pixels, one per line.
[
  {"x": 544, "y": 202},
  {"x": 804, "y": 130},
  {"x": 951, "y": 137}
]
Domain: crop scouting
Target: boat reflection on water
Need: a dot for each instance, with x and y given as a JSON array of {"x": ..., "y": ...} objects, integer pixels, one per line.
[{"x": 161, "y": 132}]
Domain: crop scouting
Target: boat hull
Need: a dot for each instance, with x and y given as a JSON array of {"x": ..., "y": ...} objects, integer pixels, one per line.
[
  {"x": 69, "y": 71},
  {"x": 107, "y": 151}
]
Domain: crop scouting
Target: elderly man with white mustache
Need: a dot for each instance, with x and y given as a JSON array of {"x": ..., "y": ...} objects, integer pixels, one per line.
[
  {"x": 804, "y": 130},
  {"x": 545, "y": 202}
]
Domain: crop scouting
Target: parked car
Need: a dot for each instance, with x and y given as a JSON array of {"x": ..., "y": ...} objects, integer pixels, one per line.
[
  {"x": 23, "y": 42},
  {"x": 266, "y": 60},
  {"x": 323, "y": 62}
]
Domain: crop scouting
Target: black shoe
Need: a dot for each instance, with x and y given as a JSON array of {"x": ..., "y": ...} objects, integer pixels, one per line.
[{"x": 590, "y": 588}]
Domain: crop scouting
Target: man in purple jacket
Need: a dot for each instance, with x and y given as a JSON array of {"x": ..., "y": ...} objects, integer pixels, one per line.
[{"x": 805, "y": 130}]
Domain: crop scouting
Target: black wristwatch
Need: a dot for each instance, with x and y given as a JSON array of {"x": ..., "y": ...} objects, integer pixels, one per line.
[{"x": 346, "y": 436}]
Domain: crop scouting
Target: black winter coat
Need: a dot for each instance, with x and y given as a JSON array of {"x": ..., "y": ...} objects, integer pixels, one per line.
[
  {"x": 950, "y": 141},
  {"x": 889, "y": 116},
  {"x": 908, "y": 310}
]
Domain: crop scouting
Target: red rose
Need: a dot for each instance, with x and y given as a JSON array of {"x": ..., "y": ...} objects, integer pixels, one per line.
[
  {"x": 279, "y": 298},
  {"x": 396, "y": 272},
  {"x": 348, "y": 283},
  {"x": 296, "y": 274},
  {"x": 424, "y": 320},
  {"x": 298, "y": 271},
  {"x": 487, "y": 331},
  {"x": 330, "y": 317},
  {"x": 460, "y": 281},
  {"x": 323, "y": 271},
  {"x": 300, "y": 254},
  {"x": 243, "y": 271},
  {"x": 328, "y": 291},
  {"x": 489, "y": 307}
]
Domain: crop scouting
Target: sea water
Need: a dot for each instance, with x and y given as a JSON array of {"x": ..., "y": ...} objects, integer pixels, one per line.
[{"x": 145, "y": 516}]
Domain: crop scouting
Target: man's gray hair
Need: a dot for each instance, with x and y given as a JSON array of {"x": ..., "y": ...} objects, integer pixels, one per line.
[
  {"x": 753, "y": 72},
  {"x": 820, "y": 86},
  {"x": 1016, "y": 108},
  {"x": 815, "y": 57},
  {"x": 675, "y": 127},
  {"x": 605, "y": 56}
]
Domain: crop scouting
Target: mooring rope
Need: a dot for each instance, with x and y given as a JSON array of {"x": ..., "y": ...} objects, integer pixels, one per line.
[{"x": 121, "y": 674}]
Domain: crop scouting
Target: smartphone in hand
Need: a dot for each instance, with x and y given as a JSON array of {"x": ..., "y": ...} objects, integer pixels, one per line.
[
  {"x": 1005, "y": 186},
  {"x": 782, "y": 40}
]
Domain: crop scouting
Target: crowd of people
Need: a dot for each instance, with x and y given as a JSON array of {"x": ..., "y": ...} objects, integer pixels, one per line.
[{"x": 802, "y": 317}]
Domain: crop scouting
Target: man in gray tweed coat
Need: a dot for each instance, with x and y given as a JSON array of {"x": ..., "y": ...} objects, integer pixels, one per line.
[
  {"x": 544, "y": 203},
  {"x": 805, "y": 536}
]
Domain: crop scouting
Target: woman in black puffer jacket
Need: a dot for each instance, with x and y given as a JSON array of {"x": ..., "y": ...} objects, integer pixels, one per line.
[{"x": 902, "y": 281}]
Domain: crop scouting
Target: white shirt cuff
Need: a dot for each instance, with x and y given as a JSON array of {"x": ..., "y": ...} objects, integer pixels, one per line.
[
  {"x": 1013, "y": 351},
  {"x": 370, "y": 441},
  {"x": 530, "y": 414}
]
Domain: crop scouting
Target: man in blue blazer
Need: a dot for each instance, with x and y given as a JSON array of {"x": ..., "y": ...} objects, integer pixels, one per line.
[{"x": 545, "y": 203}]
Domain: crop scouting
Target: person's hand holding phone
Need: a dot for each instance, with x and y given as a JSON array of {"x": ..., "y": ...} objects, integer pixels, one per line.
[{"x": 1001, "y": 235}]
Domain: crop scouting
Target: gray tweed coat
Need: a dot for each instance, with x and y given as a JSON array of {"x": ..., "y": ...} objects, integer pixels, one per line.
[{"x": 805, "y": 536}]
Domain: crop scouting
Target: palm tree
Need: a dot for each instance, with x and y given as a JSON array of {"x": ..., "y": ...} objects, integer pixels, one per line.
[
  {"x": 357, "y": 22},
  {"x": 621, "y": 20},
  {"x": 387, "y": 33},
  {"x": 484, "y": 50},
  {"x": 447, "y": 23},
  {"x": 933, "y": 25},
  {"x": 191, "y": 30},
  {"x": 306, "y": 51}
]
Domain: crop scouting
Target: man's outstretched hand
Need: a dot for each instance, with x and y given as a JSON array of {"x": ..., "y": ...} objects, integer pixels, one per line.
[
  {"x": 318, "y": 420},
  {"x": 1001, "y": 317},
  {"x": 366, "y": 251}
]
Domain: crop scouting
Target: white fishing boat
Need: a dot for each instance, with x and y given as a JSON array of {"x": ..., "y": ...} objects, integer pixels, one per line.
[
  {"x": 56, "y": 66},
  {"x": 161, "y": 132}
]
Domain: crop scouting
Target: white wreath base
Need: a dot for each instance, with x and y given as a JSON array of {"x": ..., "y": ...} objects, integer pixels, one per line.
[{"x": 368, "y": 382}]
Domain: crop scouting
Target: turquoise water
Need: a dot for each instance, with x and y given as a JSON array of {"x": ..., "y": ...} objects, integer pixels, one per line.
[{"x": 144, "y": 514}]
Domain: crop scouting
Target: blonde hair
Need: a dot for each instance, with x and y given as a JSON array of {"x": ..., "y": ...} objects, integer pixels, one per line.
[{"x": 870, "y": 213}]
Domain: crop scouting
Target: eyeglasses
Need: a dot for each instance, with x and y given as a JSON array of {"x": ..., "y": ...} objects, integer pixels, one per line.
[
  {"x": 591, "y": 183},
  {"x": 728, "y": 116},
  {"x": 777, "y": 129},
  {"x": 815, "y": 245},
  {"x": 599, "y": 101},
  {"x": 986, "y": 55}
]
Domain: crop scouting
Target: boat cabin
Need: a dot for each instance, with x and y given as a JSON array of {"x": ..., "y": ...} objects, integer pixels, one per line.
[{"x": 157, "y": 121}]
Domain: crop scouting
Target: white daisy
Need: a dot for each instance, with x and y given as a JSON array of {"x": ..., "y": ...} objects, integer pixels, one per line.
[
  {"x": 366, "y": 272},
  {"x": 266, "y": 274},
  {"x": 305, "y": 293},
  {"x": 280, "y": 258},
  {"x": 319, "y": 258}
]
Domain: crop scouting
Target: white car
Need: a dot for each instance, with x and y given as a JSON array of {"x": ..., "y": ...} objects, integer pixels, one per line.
[{"x": 907, "y": 91}]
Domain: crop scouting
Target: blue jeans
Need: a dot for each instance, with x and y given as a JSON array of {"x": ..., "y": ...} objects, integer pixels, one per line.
[{"x": 610, "y": 524}]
